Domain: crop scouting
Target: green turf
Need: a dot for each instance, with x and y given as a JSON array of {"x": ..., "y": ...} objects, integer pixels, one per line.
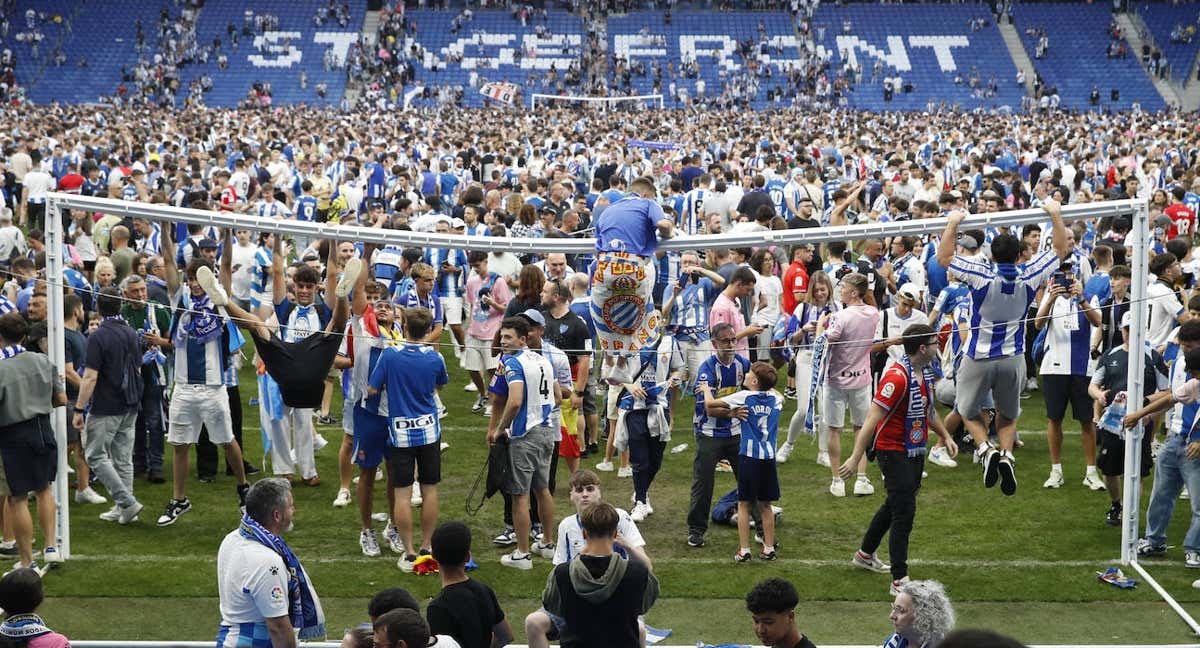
[{"x": 1023, "y": 564}]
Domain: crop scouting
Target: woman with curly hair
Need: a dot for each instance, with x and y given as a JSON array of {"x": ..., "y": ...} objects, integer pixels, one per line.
[
  {"x": 529, "y": 291},
  {"x": 921, "y": 615}
]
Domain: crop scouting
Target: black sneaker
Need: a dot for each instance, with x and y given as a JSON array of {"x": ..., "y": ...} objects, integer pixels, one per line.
[
  {"x": 206, "y": 479},
  {"x": 156, "y": 477},
  {"x": 1113, "y": 517},
  {"x": 1008, "y": 476},
  {"x": 593, "y": 448},
  {"x": 789, "y": 393},
  {"x": 991, "y": 466},
  {"x": 8, "y": 551},
  {"x": 174, "y": 509},
  {"x": 249, "y": 468},
  {"x": 325, "y": 419},
  {"x": 695, "y": 540},
  {"x": 242, "y": 489}
]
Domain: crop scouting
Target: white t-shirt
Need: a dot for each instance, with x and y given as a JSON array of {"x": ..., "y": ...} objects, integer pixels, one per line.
[
  {"x": 772, "y": 288},
  {"x": 505, "y": 264},
  {"x": 243, "y": 260},
  {"x": 1164, "y": 308},
  {"x": 571, "y": 542},
  {"x": 38, "y": 183},
  {"x": 251, "y": 581},
  {"x": 895, "y": 328}
]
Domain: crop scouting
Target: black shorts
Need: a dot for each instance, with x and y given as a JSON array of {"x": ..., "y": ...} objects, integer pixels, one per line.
[
  {"x": 300, "y": 367},
  {"x": 757, "y": 480},
  {"x": 1111, "y": 457},
  {"x": 426, "y": 460},
  {"x": 1060, "y": 390},
  {"x": 30, "y": 455}
]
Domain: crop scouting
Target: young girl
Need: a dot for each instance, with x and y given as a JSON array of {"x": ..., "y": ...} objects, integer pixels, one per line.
[
  {"x": 802, "y": 330},
  {"x": 20, "y": 596}
]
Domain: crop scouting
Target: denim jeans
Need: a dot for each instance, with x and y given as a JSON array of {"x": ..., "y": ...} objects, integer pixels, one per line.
[
  {"x": 109, "y": 452},
  {"x": 149, "y": 434},
  {"x": 1172, "y": 472}
]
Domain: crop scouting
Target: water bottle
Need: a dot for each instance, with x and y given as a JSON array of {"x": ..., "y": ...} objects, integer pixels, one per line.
[
  {"x": 1110, "y": 421},
  {"x": 679, "y": 448}
]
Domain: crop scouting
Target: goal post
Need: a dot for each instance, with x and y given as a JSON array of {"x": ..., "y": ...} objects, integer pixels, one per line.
[
  {"x": 1136, "y": 210},
  {"x": 629, "y": 102}
]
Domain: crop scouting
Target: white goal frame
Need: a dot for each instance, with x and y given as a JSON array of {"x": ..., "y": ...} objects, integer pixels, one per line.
[
  {"x": 1137, "y": 210},
  {"x": 603, "y": 101}
]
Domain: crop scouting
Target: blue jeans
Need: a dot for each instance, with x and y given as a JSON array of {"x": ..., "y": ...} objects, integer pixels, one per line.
[
  {"x": 1172, "y": 472},
  {"x": 149, "y": 431}
]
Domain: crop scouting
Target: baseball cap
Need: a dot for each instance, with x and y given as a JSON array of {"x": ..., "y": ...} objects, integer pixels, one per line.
[
  {"x": 457, "y": 223},
  {"x": 968, "y": 242},
  {"x": 534, "y": 316},
  {"x": 207, "y": 244},
  {"x": 1126, "y": 319},
  {"x": 909, "y": 291}
]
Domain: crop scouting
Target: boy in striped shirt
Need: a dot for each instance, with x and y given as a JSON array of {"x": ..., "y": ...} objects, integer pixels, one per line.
[{"x": 757, "y": 407}]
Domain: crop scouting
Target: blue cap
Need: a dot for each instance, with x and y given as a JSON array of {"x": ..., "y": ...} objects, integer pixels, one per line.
[{"x": 534, "y": 316}]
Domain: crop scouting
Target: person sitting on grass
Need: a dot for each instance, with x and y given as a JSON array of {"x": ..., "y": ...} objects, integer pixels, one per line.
[
  {"x": 772, "y": 605},
  {"x": 465, "y": 609},
  {"x": 20, "y": 596},
  {"x": 757, "y": 477},
  {"x": 542, "y": 627}
]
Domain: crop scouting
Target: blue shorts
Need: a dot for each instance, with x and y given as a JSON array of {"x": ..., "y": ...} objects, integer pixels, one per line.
[
  {"x": 370, "y": 438},
  {"x": 757, "y": 480}
]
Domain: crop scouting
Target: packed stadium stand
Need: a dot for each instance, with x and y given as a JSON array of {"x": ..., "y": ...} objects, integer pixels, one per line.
[
  {"x": 496, "y": 47},
  {"x": 1075, "y": 60},
  {"x": 1174, "y": 28}
]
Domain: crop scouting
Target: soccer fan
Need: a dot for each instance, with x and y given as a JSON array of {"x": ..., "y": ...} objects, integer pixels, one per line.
[
  {"x": 465, "y": 609},
  {"x": 152, "y": 322},
  {"x": 1000, "y": 294},
  {"x": 818, "y": 302},
  {"x": 567, "y": 331},
  {"x": 921, "y": 615},
  {"x": 412, "y": 374},
  {"x": 110, "y": 394},
  {"x": 757, "y": 478},
  {"x": 889, "y": 341},
  {"x": 772, "y": 607},
  {"x": 526, "y": 420},
  {"x": 599, "y": 599},
  {"x": 487, "y": 296},
  {"x": 1106, "y": 385},
  {"x": 21, "y": 595},
  {"x": 1067, "y": 320},
  {"x": 686, "y": 309},
  {"x": 623, "y": 279},
  {"x": 28, "y": 450},
  {"x": 727, "y": 308},
  {"x": 896, "y": 430},
  {"x": 1165, "y": 307},
  {"x": 267, "y": 597}
]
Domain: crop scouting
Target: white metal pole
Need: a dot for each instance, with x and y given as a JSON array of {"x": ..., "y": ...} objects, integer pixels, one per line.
[
  {"x": 1135, "y": 389},
  {"x": 56, "y": 339}
]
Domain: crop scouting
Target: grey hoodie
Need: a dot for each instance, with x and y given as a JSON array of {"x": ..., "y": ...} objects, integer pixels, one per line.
[{"x": 596, "y": 589}]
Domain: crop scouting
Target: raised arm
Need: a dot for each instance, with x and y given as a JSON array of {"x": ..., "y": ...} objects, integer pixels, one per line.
[
  {"x": 1054, "y": 210},
  {"x": 332, "y": 268},
  {"x": 278, "y": 283},
  {"x": 227, "y": 260},
  {"x": 945, "y": 248},
  {"x": 168, "y": 254}
]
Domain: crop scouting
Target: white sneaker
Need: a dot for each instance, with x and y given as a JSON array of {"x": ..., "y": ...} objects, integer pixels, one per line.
[
  {"x": 837, "y": 487},
  {"x": 416, "y": 495},
  {"x": 1031, "y": 384},
  {"x": 129, "y": 514},
  {"x": 89, "y": 496},
  {"x": 112, "y": 514},
  {"x": 1191, "y": 559},
  {"x": 470, "y": 387},
  {"x": 349, "y": 277},
  {"x": 823, "y": 459},
  {"x": 212, "y": 287},
  {"x": 869, "y": 562},
  {"x": 863, "y": 486},
  {"x": 343, "y": 498},
  {"x": 1183, "y": 493},
  {"x": 51, "y": 555},
  {"x": 395, "y": 544},
  {"x": 517, "y": 561},
  {"x": 605, "y": 466},
  {"x": 942, "y": 458},
  {"x": 639, "y": 512},
  {"x": 625, "y": 471},
  {"x": 369, "y": 543},
  {"x": 785, "y": 451},
  {"x": 487, "y": 410},
  {"x": 1093, "y": 482},
  {"x": 319, "y": 442},
  {"x": 1055, "y": 480},
  {"x": 543, "y": 549}
]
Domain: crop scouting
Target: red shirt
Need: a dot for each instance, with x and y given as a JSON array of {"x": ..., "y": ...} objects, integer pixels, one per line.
[
  {"x": 70, "y": 183},
  {"x": 892, "y": 396},
  {"x": 795, "y": 279},
  {"x": 1183, "y": 221},
  {"x": 229, "y": 198}
]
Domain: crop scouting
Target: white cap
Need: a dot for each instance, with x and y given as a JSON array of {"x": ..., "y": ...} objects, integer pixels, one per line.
[
  {"x": 909, "y": 291},
  {"x": 1126, "y": 319}
]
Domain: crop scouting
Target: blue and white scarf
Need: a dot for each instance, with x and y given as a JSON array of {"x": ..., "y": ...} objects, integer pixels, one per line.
[
  {"x": 819, "y": 349},
  {"x": 202, "y": 321},
  {"x": 304, "y": 610},
  {"x": 23, "y": 627},
  {"x": 916, "y": 417},
  {"x": 11, "y": 351}
]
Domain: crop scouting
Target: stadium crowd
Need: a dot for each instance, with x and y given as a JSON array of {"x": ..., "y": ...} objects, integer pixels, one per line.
[{"x": 155, "y": 313}]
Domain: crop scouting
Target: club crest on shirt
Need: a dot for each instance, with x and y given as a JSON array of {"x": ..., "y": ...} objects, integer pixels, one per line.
[
  {"x": 277, "y": 593},
  {"x": 888, "y": 390}
]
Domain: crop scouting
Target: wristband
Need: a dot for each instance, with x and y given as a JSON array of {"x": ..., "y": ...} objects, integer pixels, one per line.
[
  {"x": 80, "y": 410},
  {"x": 580, "y": 392}
]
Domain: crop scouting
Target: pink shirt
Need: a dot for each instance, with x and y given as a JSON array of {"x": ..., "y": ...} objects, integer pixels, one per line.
[
  {"x": 851, "y": 332},
  {"x": 726, "y": 310},
  {"x": 485, "y": 320}
]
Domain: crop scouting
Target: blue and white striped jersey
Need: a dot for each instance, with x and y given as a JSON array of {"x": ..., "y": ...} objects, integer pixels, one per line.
[
  {"x": 273, "y": 209},
  {"x": 535, "y": 372},
  {"x": 297, "y": 322},
  {"x": 691, "y": 216},
  {"x": 1000, "y": 297},
  {"x": 762, "y": 421},
  {"x": 689, "y": 315},
  {"x": 450, "y": 283},
  {"x": 660, "y": 363},
  {"x": 152, "y": 244},
  {"x": 723, "y": 380},
  {"x": 410, "y": 376},
  {"x": 197, "y": 363},
  {"x": 260, "y": 278}
]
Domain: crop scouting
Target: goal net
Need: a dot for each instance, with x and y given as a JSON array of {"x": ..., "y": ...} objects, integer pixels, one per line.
[{"x": 629, "y": 103}]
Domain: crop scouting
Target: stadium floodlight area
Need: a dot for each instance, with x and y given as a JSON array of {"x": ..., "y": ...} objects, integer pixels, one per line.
[
  {"x": 1136, "y": 210},
  {"x": 630, "y": 102}
]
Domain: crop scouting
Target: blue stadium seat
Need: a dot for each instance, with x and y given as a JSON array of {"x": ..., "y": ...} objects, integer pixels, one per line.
[{"x": 1161, "y": 18}]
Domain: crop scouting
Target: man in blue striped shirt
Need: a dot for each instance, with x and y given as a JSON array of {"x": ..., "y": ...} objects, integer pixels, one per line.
[{"x": 1000, "y": 294}]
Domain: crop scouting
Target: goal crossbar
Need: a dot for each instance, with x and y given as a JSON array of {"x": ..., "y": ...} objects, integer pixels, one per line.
[{"x": 1138, "y": 241}]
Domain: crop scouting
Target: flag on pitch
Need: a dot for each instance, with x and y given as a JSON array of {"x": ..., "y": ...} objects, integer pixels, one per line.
[{"x": 501, "y": 91}]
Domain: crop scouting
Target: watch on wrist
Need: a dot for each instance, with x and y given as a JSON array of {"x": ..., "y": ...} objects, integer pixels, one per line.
[{"x": 579, "y": 392}]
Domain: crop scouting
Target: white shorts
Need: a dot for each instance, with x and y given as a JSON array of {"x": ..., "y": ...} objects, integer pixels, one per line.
[
  {"x": 348, "y": 416},
  {"x": 477, "y": 356},
  {"x": 197, "y": 406},
  {"x": 452, "y": 309},
  {"x": 835, "y": 401}
]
